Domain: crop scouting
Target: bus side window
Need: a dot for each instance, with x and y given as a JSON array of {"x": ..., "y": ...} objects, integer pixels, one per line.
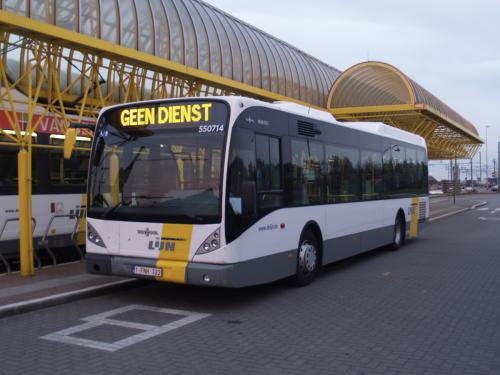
[
  {"x": 342, "y": 181},
  {"x": 300, "y": 156},
  {"x": 398, "y": 156},
  {"x": 307, "y": 179},
  {"x": 314, "y": 172},
  {"x": 268, "y": 173},
  {"x": 387, "y": 171},
  {"x": 422, "y": 184},
  {"x": 240, "y": 176},
  {"x": 411, "y": 170},
  {"x": 371, "y": 175}
]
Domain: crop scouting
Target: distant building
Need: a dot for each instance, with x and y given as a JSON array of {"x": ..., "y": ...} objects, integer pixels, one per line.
[
  {"x": 434, "y": 184},
  {"x": 447, "y": 186}
]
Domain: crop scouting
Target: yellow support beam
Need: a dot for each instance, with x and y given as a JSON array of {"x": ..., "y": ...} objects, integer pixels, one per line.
[
  {"x": 25, "y": 235},
  {"x": 54, "y": 35},
  {"x": 376, "y": 109}
]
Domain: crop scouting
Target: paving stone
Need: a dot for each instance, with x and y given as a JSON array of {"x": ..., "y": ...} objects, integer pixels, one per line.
[{"x": 437, "y": 313}]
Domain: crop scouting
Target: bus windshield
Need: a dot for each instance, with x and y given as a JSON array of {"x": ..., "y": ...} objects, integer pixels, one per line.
[{"x": 159, "y": 165}]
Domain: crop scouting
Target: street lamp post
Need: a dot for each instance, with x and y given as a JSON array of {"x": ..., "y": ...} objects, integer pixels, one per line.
[
  {"x": 498, "y": 159},
  {"x": 471, "y": 177},
  {"x": 486, "y": 158},
  {"x": 480, "y": 170}
]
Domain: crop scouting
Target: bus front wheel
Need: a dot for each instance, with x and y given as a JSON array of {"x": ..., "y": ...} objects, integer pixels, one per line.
[
  {"x": 308, "y": 258},
  {"x": 398, "y": 238}
]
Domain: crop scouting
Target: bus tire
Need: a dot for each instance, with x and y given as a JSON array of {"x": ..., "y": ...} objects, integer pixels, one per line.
[
  {"x": 399, "y": 234},
  {"x": 308, "y": 259}
]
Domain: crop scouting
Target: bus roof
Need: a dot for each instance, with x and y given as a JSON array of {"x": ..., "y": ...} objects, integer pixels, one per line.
[{"x": 378, "y": 128}]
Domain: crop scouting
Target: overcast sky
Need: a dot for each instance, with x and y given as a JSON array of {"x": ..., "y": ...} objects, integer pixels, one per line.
[{"x": 450, "y": 47}]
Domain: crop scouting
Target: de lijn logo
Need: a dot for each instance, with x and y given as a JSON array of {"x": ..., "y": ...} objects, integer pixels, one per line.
[{"x": 163, "y": 244}]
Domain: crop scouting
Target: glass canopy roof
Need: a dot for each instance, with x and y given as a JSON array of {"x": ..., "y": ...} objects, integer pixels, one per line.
[{"x": 195, "y": 34}]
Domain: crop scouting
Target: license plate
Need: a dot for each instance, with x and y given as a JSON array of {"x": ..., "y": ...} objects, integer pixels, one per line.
[{"x": 147, "y": 271}]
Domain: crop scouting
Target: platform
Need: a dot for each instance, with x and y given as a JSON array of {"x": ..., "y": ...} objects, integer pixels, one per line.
[{"x": 62, "y": 280}]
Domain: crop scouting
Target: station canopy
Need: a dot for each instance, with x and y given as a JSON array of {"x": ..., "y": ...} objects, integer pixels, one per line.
[
  {"x": 375, "y": 91},
  {"x": 86, "y": 54},
  {"x": 193, "y": 34}
]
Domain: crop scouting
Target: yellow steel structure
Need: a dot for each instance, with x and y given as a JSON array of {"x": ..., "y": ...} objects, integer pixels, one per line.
[
  {"x": 70, "y": 58},
  {"x": 375, "y": 91}
]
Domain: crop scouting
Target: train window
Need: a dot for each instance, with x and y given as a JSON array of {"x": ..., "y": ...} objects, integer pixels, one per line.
[
  {"x": 8, "y": 171},
  {"x": 68, "y": 172}
]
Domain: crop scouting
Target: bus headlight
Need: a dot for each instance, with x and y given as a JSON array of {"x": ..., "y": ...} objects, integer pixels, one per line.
[
  {"x": 94, "y": 237},
  {"x": 211, "y": 243}
]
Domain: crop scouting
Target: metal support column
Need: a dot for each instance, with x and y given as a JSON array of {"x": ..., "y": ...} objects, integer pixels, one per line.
[
  {"x": 25, "y": 242},
  {"x": 455, "y": 173},
  {"x": 471, "y": 175}
]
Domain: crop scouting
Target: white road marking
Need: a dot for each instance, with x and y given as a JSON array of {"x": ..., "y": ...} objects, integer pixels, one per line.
[
  {"x": 65, "y": 335},
  {"x": 480, "y": 204},
  {"x": 483, "y": 209},
  {"x": 489, "y": 218}
]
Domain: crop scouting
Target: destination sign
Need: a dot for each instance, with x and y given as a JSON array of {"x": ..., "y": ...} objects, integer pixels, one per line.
[{"x": 166, "y": 114}]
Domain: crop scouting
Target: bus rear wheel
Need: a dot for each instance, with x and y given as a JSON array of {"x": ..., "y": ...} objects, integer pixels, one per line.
[
  {"x": 308, "y": 258},
  {"x": 398, "y": 238}
]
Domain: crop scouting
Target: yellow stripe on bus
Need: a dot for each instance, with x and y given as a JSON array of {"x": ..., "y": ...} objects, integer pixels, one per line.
[
  {"x": 82, "y": 225},
  {"x": 415, "y": 203},
  {"x": 174, "y": 257}
]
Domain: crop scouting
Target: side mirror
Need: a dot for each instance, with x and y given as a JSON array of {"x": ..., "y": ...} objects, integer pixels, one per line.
[
  {"x": 69, "y": 142},
  {"x": 248, "y": 197}
]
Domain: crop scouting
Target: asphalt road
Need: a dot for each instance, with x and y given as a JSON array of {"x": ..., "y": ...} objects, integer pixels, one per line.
[{"x": 431, "y": 308}]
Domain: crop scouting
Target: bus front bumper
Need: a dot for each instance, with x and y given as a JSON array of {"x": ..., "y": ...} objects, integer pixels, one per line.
[{"x": 235, "y": 275}]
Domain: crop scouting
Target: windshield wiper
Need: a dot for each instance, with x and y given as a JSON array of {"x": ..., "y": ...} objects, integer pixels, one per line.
[
  {"x": 197, "y": 218},
  {"x": 112, "y": 209},
  {"x": 146, "y": 196}
]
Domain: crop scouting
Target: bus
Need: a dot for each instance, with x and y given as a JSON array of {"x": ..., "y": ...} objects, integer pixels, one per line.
[
  {"x": 58, "y": 188},
  {"x": 233, "y": 192}
]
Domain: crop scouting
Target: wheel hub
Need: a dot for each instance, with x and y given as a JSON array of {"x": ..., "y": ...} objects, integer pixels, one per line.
[
  {"x": 308, "y": 256},
  {"x": 397, "y": 236}
]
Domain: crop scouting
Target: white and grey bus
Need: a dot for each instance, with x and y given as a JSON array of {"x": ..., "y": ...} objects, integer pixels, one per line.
[{"x": 231, "y": 191}]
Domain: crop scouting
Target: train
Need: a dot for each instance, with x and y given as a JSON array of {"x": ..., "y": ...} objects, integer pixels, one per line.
[{"x": 58, "y": 191}]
